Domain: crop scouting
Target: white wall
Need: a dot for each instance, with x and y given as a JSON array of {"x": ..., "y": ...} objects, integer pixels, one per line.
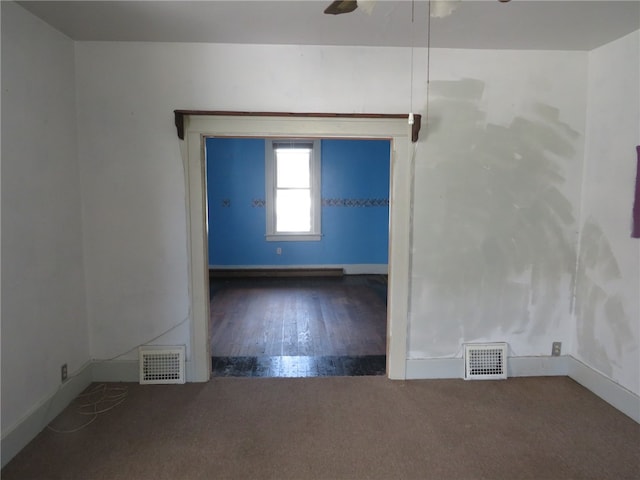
[
  {"x": 529, "y": 104},
  {"x": 132, "y": 172},
  {"x": 608, "y": 288},
  {"x": 44, "y": 321},
  {"x": 497, "y": 192},
  {"x": 497, "y": 200}
]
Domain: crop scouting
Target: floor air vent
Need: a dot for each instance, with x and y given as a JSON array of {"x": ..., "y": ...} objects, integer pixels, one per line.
[
  {"x": 485, "y": 361},
  {"x": 161, "y": 364}
]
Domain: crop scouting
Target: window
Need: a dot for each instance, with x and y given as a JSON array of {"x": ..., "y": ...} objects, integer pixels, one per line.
[{"x": 293, "y": 189}]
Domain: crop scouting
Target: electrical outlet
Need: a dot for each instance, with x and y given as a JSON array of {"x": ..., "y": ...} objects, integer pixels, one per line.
[
  {"x": 63, "y": 372},
  {"x": 556, "y": 349},
  {"x": 278, "y": 251}
]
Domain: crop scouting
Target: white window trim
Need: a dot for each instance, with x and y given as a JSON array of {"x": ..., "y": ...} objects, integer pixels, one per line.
[{"x": 270, "y": 190}]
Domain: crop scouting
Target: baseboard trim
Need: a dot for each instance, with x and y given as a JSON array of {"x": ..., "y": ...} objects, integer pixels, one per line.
[
  {"x": 432, "y": 368},
  {"x": 545, "y": 366},
  {"x": 39, "y": 416},
  {"x": 126, "y": 371},
  {"x": 605, "y": 388},
  {"x": 366, "y": 269},
  {"x": 263, "y": 270},
  {"x": 274, "y": 272}
]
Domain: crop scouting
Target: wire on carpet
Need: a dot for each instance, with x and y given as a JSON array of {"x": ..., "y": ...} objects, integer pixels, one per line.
[
  {"x": 112, "y": 400},
  {"x": 98, "y": 400}
]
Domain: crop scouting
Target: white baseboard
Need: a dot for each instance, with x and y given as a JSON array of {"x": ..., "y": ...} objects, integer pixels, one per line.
[
  {"x": 349, "y": 269},
  {"x": 545, "y": 366},
  {"x": 125, "y": 371},
  {"x": 40, "y": 415},
  {"x": 605, "y": 388},
  {"x": 366, "y": 269},
  {"x": 430, "y": 368}
]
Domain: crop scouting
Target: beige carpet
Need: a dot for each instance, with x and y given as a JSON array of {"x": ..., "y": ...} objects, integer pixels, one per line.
[{"x": 343, "y": 428}]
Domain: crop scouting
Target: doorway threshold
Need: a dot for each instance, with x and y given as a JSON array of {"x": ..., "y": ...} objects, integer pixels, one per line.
[{"x": 299, "y": 366}]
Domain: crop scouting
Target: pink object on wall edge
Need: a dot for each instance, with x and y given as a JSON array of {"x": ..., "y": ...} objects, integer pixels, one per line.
[{"x": 635, "y": 232}]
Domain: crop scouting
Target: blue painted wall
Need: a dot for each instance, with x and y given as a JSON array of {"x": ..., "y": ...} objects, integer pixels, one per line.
[{"x": 355, "y": 205}]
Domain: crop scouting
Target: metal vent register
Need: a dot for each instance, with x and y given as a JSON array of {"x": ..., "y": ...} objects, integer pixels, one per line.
[
  {"x": 485, "y": 361},
  {"x": 162, "y": 364}
]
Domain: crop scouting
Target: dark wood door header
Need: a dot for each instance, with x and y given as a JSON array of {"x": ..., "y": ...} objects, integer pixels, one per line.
[{"x": 179, "y": 117}]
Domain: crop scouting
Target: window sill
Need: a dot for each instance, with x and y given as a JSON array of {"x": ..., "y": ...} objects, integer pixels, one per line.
[{"x": 293, "y": 237}]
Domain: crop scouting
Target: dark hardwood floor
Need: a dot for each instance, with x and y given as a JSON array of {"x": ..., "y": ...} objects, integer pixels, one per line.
[{"x": 302, "y": 326}]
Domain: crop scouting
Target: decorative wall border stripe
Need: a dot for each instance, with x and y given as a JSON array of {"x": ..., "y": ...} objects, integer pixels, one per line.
[
  {"x": 329, "y": 202},
  {"x": 355, "y": 202}
]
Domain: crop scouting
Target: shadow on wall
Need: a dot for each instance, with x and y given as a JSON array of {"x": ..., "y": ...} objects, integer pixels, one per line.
[
  {"x": 499, "y": 250},
  {"x": 599, "y": 309}
]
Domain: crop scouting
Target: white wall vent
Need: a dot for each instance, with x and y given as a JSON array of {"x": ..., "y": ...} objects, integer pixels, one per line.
[
  {"x": 485, "y": 361},
  {"x": 162, "y": 364}
]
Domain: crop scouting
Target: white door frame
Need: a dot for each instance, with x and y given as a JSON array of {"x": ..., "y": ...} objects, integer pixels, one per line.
[{"x": 197, "y": 127}]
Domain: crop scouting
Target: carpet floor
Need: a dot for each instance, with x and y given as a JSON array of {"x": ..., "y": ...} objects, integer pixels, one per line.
[{"x": 341, "y": 428}]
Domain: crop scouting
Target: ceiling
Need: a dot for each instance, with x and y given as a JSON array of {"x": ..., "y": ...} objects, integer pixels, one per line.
[{"x": 519, "y": 24}]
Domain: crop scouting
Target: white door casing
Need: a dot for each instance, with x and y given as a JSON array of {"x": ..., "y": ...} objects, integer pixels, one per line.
[{"x": 198, "y": 127}]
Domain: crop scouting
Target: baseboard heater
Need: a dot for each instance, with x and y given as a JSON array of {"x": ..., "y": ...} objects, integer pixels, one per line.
[{"x": 274, "y": 272}]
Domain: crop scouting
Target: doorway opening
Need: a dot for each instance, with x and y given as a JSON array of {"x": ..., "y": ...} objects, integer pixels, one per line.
[
  {"x": 199, "y": 125},
  {"x": 298, "y": 326},
  {"x": 298, "y": 306}
]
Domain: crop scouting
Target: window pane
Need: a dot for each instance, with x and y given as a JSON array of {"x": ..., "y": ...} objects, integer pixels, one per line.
[
  {"x": 292, "y": 165},
  {"x": 293, "y": 210}
]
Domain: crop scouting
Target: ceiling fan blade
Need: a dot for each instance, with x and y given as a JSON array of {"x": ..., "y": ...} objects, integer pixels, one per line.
[{"x": 341, "y": 6}]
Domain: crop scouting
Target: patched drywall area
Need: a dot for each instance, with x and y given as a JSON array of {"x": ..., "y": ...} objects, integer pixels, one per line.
[
  {"x": 603, "y": 325},
  {"x": 607, "y": 304},
  {"x": 494, "y": 247}
]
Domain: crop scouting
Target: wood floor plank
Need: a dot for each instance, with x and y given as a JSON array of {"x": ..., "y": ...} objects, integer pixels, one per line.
[{"x": 298, "y": 316}]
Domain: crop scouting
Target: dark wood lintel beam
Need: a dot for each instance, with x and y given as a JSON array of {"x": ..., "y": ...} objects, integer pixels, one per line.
[
  {"x": 179, "y": 117},
  {"x": 415, "y": 128}
]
